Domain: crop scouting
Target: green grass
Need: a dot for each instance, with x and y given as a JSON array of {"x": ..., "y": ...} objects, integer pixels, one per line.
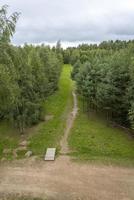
[
  {"x": 92, "y": 139},
  {"x": 58, "y": 105},
  {"x": 9, "y": 138}
]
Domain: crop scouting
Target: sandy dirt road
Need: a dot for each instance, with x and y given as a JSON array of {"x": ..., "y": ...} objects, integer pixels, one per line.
[{"x": 64, "y": 179}]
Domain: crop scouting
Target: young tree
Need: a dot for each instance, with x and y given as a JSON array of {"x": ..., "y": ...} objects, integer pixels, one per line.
[{"x": 7, "y": 24}]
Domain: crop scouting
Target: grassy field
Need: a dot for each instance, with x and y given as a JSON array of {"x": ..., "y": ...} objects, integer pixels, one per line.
[
  {"x": 92, "y": 139},
  {"x": 45, "y": 134}
]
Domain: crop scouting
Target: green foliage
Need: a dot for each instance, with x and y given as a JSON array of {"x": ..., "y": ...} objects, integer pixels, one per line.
[
  {"x": 66, "y": 56},
  {"x": 105, "y": 78},
  {"x": 130, "y": 93},
  {"x": 131, "y": 115},
  {"x": 74, "y": 56},
  {"x": 75, "y": 70},
  {"x": 26, "y": 82}
]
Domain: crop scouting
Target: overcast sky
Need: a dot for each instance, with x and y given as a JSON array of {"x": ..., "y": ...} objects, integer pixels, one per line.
[{"x": 72, "y": 21}]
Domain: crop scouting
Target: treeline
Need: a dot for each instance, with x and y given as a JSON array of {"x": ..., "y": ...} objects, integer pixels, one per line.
[
  {"x": 28, "y": 75},
  {"x": 104, "y": 75}
]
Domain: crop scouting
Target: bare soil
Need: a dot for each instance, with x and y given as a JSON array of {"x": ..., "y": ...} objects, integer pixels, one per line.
[
  {"x": 69, "y": 124},
  {"x": 64, "y": 179}
]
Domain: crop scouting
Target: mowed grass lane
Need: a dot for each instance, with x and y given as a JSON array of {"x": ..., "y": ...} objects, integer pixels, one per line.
[
  {"x": 91, "y": 139},
  {"x": 58, "y": 106}
]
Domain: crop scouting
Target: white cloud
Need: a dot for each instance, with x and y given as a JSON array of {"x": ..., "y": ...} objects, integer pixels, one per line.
[{"x": 74, "y": 21}]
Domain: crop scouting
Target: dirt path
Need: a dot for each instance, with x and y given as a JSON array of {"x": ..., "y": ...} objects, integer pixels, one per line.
[
  {"x": 66, "y": 180},
  {"x": 69, "y": 124}
]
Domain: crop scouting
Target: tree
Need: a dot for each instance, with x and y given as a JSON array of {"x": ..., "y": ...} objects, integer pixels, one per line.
[
  {"x": 75, "y": 70},
  {"x": 67, "y": 56},
  {"x": 7, "y": 24},
  {"x": 75, "y": 56}
]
